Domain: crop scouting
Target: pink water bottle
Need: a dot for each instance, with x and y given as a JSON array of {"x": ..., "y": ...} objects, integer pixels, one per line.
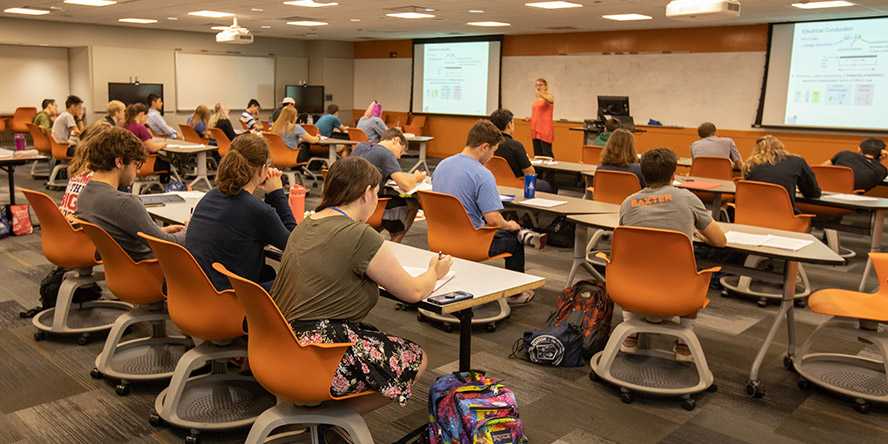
[
  {"x": 297, "y": 202},
  {"x": 19, "y": 141}
]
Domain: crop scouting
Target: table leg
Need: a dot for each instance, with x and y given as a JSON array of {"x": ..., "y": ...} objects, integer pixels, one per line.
[
  {"x": 716, "y": 205},
  {"x": 465, "y": 339},
  {"x": 753, "y": 386},
  {"x": 878, "y": 222},
  {"x": 10, "y": 170},
  {"x": 202, "y": 171},
  {"x": 581, "y": 238},
  {"x": 332, "y": 156},
  {"x": 422, "y": 158}
]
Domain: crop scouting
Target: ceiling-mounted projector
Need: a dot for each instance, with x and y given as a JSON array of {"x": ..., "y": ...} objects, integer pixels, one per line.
[
  {"x": 703, "y": 9},
  {"x": 235, "y": 35}
]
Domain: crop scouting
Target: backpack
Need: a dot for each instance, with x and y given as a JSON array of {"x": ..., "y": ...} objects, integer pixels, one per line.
[
  {"x": 560, "y": 233},
  {"x": 470, "y": 407},
  {"x": 577, "y": 329},
  {"x": 19, "y": 219},
  {"x": 174, "y": 185},
  {"x": 49, "y": 290}
]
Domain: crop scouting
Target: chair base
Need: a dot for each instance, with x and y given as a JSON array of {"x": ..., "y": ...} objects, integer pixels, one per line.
[
  {"x": 219, "y": 400},
  {"x": 53, "y": 182},
  {"x": 487, "y": 315},
  {"x": 832, "y": 240},
  {"x": 653, "y": 371},
  {"x": 285, "y": 413},
  {"x": 743, "y": 285},
  {"x": 142, "y": 185},
  {"x": 70, "y": 318},
  {"x": 39, "y": 174}
]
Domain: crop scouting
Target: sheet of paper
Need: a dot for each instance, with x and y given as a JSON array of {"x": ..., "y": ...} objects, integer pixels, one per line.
[
  {"x": 740, "y": 238},
  {"x": 786, "y": 243},
  {"x": 543, "y": 203},
  {"x": 506, "y": 198},
  {"x": 422, "y": 186},
  {"x": 416, "y": 271},
  {"x": 852, "y": 197}
]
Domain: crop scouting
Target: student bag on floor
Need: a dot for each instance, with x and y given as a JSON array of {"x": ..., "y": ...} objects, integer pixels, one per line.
[{"x": 470, "y": 407}]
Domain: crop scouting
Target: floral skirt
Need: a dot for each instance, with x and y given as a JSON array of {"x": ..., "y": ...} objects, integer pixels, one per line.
[{"x": 376, "y": 361}]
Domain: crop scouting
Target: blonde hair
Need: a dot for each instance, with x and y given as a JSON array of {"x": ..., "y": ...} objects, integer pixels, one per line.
[
  {"x": 285, "y": 121},
  {"x": 620, "y": 149},
  {"x": 201, "y": 113},
  {"x": 115, "y": 106},
  {"x": 218, "y": 113},
  {"x": 768, "y": 150}
]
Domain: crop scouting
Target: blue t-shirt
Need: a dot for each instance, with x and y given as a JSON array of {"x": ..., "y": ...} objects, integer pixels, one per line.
[
  {"x": 383, "y": 159},
  {"x": 327, "y": 123},
  {"x": 293, "y": 138},
  {"x": 471, "y": 183}
]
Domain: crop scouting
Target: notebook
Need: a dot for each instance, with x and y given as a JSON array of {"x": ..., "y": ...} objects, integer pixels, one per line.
[
  {"x": 767, "y": 240},
  {"x": 543, "y": 203},
  {"x": 696, "y": 184},
  {"x": 161, "y": 199}
]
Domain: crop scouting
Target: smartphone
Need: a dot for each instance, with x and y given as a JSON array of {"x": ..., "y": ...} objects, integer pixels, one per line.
[{"x": 449, "y": 298}]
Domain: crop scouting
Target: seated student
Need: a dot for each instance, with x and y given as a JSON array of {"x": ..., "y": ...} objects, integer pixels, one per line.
[
  {"x": 371, "y": 124},
  {"x": 513, "y": 151},
  {"x": 68, "y": 125},
  {"x": 219, "y": 119},
  {"x": 293, "y": 133},
  {"x": 328, "y": 300},
  {"x": 116, "y": 115},
  {"x": 868, "y": 170},
  {"x": 661, "y": 205},
  {"x": 155, "y": 121},
  {"x": 115, "y": 156},
  {"x": 248, "y": 117},
  {"x": 231, "y": 226},
  {"x": 400, "y": 212},
  {"x": 770, "y": 162},
  {"x": 619, "y": 155},
  {"x": 711, "y": 145},
  {"x": 463, "y": 175},
  {"x": 286, "y": 102},
  {"x": 329, "y": 124},
  {"x": 48, "y": 112},
  {"x": 79, "y": 172},
  {"x": 610, "y": 125},
  {"x": 135, "y": 123},
  {"x": 200, "y": 120}
]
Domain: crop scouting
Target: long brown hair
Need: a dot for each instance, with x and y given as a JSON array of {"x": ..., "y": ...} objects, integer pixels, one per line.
[
  {"x": 347, "y": 181},
  {"x": 79, "y": 164},
  {"x": 768, "y": 150},
  {"x": 248, "y": 153},
  {"x": 134, "y": 110},
  {"x": 201, "y": 113},
  {"x": 284, "y": 121},
  {"x": 620, "y": 149}
]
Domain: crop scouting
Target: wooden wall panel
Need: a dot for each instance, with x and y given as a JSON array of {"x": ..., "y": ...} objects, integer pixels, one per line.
[{"x": 383, "y": 49}]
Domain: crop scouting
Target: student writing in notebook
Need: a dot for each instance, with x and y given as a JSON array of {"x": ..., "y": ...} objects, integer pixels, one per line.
[{"x": 770, "y": 162}]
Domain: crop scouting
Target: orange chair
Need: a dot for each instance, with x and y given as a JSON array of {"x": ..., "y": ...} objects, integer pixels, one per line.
[
  {"x": 223, "y": 143},
  {"x": 766, "y": 205},
  {"x": 190, "y": 135},
  {"x": 614, "y": 186},
  {"x": 284, "y": 158},
  {"x": 635, "y": 282},
  {"x": 592, "y": 154},
  {"x": 21, "y": 118},
  {"x": 41, "y": 144},
  {"x": 3, "y": 124},
  {"x": 416, "y": 125},
  {"x": 299, "y": 376},
  {"x": 357, "y": 135},
  {"x": 835, "y": 179},
  {"x": 68, "y": 247},
  {"x": 141, "y": 284},
  {"x": 220, "y": 399},
  {"x": 60, "y": 158},
  {"x": 147, "y": 177},
  {"x": 450, "y": 231},
  {"x": 503, "y": 173},
  {"x": 311, "y": 129},
  {"x": 713, "y": 168},
  {"x": 375, "y": 219},
  {"x": 856, "y": 316}
]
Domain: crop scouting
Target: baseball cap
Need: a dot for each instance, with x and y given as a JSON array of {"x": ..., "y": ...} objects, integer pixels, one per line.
[{"x": 288, "y": 100}]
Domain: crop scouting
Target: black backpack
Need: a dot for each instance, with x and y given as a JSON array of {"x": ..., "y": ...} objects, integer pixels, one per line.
[
  {"x": 49, "y": 291},
  {"x": 560, "y": 233}
]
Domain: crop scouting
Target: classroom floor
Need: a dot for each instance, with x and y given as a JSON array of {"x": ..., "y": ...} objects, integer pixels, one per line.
[{"x": 49, "y": 397}]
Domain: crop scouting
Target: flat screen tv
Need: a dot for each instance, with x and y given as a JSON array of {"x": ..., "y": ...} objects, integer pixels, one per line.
[
  {"x": 130, "y": 93},
  {"x": 309, "y": 98}
]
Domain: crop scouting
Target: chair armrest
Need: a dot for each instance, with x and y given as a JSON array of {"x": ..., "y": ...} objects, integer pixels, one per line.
[
  {"x": 709, "y": 270},
  {"x": 603, "y": 256},
  {"x": 806, "y": 216},
  {"x": 859, "y": 191}
]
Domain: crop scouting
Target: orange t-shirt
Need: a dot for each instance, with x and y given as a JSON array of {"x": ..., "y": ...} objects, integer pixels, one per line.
[{"x": 541, "y": 121}]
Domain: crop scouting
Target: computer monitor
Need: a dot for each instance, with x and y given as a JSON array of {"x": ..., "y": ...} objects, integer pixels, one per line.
[
  {"x": 130, "y": 93},
  {"x": 309, "y": 98},
  {"x": 613, "y": 106}
]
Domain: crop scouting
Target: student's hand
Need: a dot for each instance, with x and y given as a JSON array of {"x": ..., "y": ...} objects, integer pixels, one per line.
[
  {"x": 272, "y": 181},
  {"x": 440, "y": 265},
  {"x": 512, "y": 226},
  {"x": 420, "y": 176},
  {"x": 171, "y": 229}
]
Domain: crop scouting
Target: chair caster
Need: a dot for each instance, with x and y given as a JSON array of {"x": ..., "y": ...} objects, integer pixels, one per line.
[
  {"x": 800, "y": 303},
  {"x": 712, "y": 389},
  {"x": 762, "y": 302},
  {"x": 688, "y": 403},
  {"x": 862, "y": 406},
  {"x": 154, "y": 419},
  {"x": 39, "y": 335},
  {"x": 193, "y": 437},
  {"x": 754, "y": 388},
  {"x": 491, "y": 327},
  {"x": 804, "y": 384},
  {"x": 726, "y": 294},
  {"x": 83, "y": 339},
  {"x": 95, "y": 373},
  {"x": 787, "y": 363},
  {"x": 122, "y": 389},
  {"x": 626, "y": 396},
  {"x": 420, "y": 317}
]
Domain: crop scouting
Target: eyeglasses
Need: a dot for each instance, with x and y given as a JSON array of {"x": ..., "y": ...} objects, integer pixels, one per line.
[{"x": 139, "y": 164}]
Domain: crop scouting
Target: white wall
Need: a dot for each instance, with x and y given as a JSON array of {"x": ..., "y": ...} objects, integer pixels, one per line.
[
  {"x": 80, "y": 78},
  {"x": 29, "y": 74},
  {"x": 384, "y": 80},
  {"x": 339, "y": 82}
]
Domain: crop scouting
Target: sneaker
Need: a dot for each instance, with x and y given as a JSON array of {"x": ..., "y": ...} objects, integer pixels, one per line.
[
  {"x": 682, "y": 352},
  {"x": 522, "y": 299},
  {"x": 532, "y": 238},
  {"x": 630, "y": 344}
]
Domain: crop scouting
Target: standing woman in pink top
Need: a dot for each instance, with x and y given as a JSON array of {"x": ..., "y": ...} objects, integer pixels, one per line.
[{"x": 541, "y": 130}]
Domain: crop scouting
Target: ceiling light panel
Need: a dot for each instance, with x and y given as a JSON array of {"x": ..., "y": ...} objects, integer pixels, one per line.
[
  {"x": 823, "y": 4},
  {"x": 98, "y": 3},
  {"x": 211, "y": 14},
  {"x": 306, "y": 23},
  {"x": 554, "y": 5},
  {"x": 626, "y": 17},
  {"x": 310, "y": 3},
  {"x": 26, "y": 11},
  {"x": 410, "y": 15},
  {"x": 138, "y": 21},
  {"x": 488, "y": 24}
]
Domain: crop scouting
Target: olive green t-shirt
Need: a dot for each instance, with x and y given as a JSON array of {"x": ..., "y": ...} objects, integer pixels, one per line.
[{"x": 323, "y": 271}]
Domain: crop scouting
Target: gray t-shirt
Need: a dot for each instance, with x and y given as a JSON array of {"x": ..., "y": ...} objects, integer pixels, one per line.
[
  {"x": 714, "y": 146},
  {"x": 383, "y": 159},
  {"x": 122, "y": 215},
  {"x": 61, "y": 128},
  {"x": 666, "y": 208},
  {"x": 373, "y": 127}
]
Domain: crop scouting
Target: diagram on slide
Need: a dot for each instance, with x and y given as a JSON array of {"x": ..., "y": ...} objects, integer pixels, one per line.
[{"x": 455, "y": 78}]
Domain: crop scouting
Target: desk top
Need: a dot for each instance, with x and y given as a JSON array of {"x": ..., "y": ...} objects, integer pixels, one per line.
[
  {"x": 419, "y": 138},
  {"x": 183, "y": 147},
  {"x": 815, "y": 253},
  {"x": 177, "y": 213},
  {"x": 724, "y": 186},
  {"x": 332, "y": 141},
  {"x": 568, "y": 167},
  {"x": 573, "y": 206},
  {"x": 10, "y": 157}
]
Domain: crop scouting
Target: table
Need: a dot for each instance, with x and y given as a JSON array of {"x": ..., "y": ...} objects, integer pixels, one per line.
[
  {"x": 176, "y": 213},
  {"x": 724, "y": 187},
  {"x": 422, "y": 141},
  {"x": 574, "y": 205},
  {"x": 815, "y": 253},
  {"x": 10, "y": 159},
  {"x": 333, "y": 144},
  {"x": 199, "y": 150}
]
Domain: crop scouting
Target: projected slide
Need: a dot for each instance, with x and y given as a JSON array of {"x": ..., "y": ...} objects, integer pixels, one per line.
[
  {"x": 838, "y": 75},
  {"x": 455, "y": 78}
]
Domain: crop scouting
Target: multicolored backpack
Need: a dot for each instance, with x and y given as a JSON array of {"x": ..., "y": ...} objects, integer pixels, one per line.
[{"x": 470, "y": 407}]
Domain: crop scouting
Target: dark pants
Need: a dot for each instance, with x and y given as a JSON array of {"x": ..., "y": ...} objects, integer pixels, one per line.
[
  {"x": 507, "y": 242},
  {"x": 266, "y": 277},
  {"x": 541, "y": 148},
  {"x": 544, "y": 186}
]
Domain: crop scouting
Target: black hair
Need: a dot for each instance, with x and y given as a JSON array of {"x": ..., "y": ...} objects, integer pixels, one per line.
[
  {"x": 46, "y": 102},
  {"x": 252, "y": 103},
  {"x": 501, "y": 118},
  {"x": 658, "y": 166},
  {"x": 73, "y": 101},
  {"x": 151, "y": 99},
  {"x": 873, "y": 147}
]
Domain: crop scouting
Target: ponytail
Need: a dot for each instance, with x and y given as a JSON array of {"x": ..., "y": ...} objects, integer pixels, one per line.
[{"x": 248, "y": 154}]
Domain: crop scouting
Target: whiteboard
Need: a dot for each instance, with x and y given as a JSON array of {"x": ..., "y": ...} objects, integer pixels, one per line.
[
  {"x": 204, "y": 79},
  {"x": 681, "y": 89},
  {"x": 384, "y": 80}
]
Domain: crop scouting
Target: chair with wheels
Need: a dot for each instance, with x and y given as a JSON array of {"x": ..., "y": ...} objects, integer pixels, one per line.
[
  {"x": 767, "y": 205},
  {"x": 635, "y": 282},
  {"x": 69, "y": 248},
  {"x": 299, "y": 376},
  {"x": 21, "y": 118},
  {"x": 502, "y": 172},
  {"x": 416, "y": 125},
  {"x": 714, "y": 168},
  {"x": 220, "y": 399},
  {"x": 357, "y": 134},
  {"x": 148, "y": 358},
  {"x": 592, "y": 154},
  {"x": 60, "y": 159},
  {"x": 286, "y": 159},
  {"x": 223, "y": 143},
  {"x": 856, "y": 316},
  {"x": 451, "y": 232},
  {"x": 42, "y": 145},
  {"x": 146, "y": 178},
  {"x": 375, "y": 220},
  {"x": 835, "y": 179}
]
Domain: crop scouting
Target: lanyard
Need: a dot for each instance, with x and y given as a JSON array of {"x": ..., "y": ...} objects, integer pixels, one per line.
[{"x": 338, "y": 210}]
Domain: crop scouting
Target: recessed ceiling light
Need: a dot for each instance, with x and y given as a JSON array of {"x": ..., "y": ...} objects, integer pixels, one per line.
[
  {"x": 626, "y": 17},
  {"x": 139, "y": 21},
  {"x": 476, "y": 11},
  {"x": 309, "y": 3},
  {"x": 410, "y": 15},
  {"x": 266, "y": 26},
  {"x": 91, "y": 2},
  {"x": 354, "y": 20},
  {"x": 257, "y": 10},
  {"x": 173, "y": 18},
  {"x": 211, "y": 14},
  {"x": 823, "y": 4},
  {"x": 307, "y": 23},
  {"x": 26, "y": 11},
  {"x": 219, "y": 28},
  {"x": 429, "y": 10},
  {"x": 553, "y": 5},
  {"x": 488, "y": 24}
]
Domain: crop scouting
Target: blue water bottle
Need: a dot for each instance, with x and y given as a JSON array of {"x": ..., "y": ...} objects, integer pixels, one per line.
[{"x": 530, "y": 182}]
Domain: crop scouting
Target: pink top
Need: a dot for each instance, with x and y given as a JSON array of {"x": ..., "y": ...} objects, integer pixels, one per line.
[
  {"x": 541, "y": 121},
  {"x": 139, "y": 130}
]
